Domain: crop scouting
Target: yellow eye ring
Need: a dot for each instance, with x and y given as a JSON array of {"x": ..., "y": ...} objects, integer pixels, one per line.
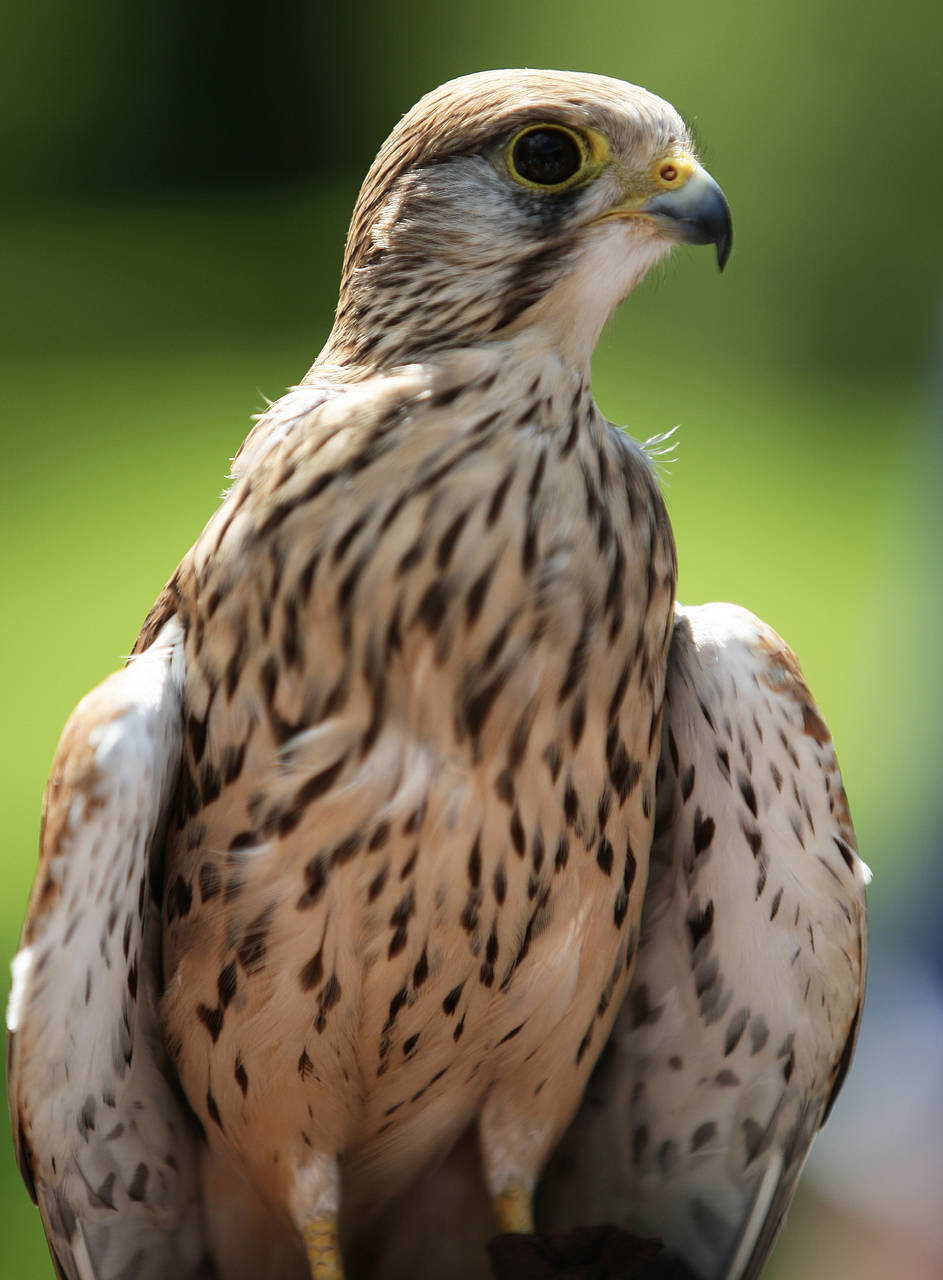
[{"x": 547, "y": 157}]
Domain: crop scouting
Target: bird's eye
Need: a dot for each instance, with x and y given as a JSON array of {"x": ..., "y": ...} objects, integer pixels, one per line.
[{"x": 545, "y": 155}]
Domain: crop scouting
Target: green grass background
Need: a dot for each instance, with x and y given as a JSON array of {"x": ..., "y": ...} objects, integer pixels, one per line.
[{"x": 147, "y": 313}]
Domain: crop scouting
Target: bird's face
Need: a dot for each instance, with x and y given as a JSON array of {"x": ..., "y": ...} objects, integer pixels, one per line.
[{"x": 517, "y": 198}]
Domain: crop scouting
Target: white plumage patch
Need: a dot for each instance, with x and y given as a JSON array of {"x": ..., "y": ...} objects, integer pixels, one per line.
[{"x": 21, "y": 967}]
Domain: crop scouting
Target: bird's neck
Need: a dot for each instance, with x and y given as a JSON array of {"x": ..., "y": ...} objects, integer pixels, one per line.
[
  {"x": 403, "y": 306},
  {"x": 396, "y": 308},
  {"x": 524, "y": 369}
]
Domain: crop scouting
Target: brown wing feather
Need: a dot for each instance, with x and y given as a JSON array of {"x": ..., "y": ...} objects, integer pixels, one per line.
[
  {"x": 740, "y": 1021},
  {"x": 105, "y": 1144}
]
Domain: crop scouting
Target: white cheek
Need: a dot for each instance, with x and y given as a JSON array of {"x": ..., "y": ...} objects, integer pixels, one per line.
[
  {"x": 616, "y": 257},
  {"x": 616, "y": 260}
]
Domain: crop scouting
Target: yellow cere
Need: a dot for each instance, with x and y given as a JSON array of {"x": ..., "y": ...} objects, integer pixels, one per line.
[
  {"x": 673, "y": 171},
  {"x": 669, "y": 173}
]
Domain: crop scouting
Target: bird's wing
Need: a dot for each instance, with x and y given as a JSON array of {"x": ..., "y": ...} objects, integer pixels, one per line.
[
  {"x": 741, "y": 1018},
  {"x": 104, "y": 1142}
]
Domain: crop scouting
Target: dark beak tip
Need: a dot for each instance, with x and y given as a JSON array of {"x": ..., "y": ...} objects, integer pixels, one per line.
[
  {"x": 723, "y": 234},
  {"x": 697, "y": 213},
  {"x": 723, "y": 246}
]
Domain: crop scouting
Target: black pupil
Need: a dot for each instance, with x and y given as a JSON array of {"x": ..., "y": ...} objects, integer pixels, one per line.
[{"x": 546, "y": 157}]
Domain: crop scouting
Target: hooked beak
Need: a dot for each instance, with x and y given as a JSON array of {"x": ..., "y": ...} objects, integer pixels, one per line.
[{"x": 695, "y": 213}]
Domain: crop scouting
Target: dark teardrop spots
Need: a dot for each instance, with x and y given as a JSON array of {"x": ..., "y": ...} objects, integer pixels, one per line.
[
  {"x": 604, "y": 856},
  {"x": 497, "y": 500},
  {"x": 673, "y": 750},
  {"x": 628, "y": 875},
  {"x": 377, "y": 883},
  {"x": 753, "y": 839},
  {"x": 210, "y": 783},
  {"x": 474, "y": 863},
  {"x": 846, "y": 852},
  {"x": 571, "y": 804},
  {"x": 517, "y": 834},
  {"x": 700, "y": 923},
  {"x": 579, "y": 657},
  {"x": 316, "y": 786},
  {"x": 251, "y": 953},
  {"x": 397, "y": 1002},
  {"x": 702, "y": 1135},
  {"x": 226, "y": 985},
  {"x": 329, "y": 997},
  {"x": 315, "y": 882},
  {"x": 477, "y": 593},
  {"x": 379, "y": 837},
  {"x": 512, "y": 1033},
  {"x": 578, "y": 718},
  {"x": 231, "y": 762},
  {"x": 621, "y": 908},
  {"x": 759, "y": 1033},
  {"x": 433, "y": 605},
  {"x": 181, "y": 897},
  {"x": 746, "y": 790},
  {"x": 196, "y": 732},
  {"x": 687, "y": 783},
  {"x": 138, "y": 1186},
  {"x": 735, "y": 1030},
  {"x": 212, "y": 1019},
  {"x": 448, "y": 540},
  {"x": 584, "y": 1045},
  {"x": 703, "y": 832},
  {"x": 312, "y": 972},
  {"x": 450, "y": 1003}
]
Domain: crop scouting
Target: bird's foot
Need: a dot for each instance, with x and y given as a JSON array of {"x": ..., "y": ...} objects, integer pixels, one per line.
[
  {"x": 323, "y": 1247},
  {"x": 514, "y": 1209}
]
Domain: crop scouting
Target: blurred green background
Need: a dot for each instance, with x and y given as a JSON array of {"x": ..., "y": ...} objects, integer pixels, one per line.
[{"x": 177, "y": 180}]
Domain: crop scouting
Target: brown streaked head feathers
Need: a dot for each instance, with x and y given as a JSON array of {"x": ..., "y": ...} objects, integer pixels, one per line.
[
  {"x": 445, "y": 249},
  {"x": 464, "y": 116}
]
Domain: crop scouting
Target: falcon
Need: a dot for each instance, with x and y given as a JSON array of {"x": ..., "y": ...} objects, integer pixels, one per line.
[{"x": 350, "y": 858}]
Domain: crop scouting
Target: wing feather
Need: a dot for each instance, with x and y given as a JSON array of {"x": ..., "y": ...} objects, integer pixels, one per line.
[
  {"x": 106, "y": 1145},
  {"x": 742, "y": 1013}
]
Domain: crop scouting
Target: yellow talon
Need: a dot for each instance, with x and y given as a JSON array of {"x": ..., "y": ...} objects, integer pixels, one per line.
[
  {"x": 514, "y": 1209},
  {"x": 323, "y": 1248}
]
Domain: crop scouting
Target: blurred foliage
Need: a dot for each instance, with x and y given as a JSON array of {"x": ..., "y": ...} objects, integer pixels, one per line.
[{"x": 179, "y": 178}]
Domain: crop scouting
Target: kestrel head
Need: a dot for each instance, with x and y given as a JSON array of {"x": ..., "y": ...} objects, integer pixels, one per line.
[{"x": 513, "y": 198}]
